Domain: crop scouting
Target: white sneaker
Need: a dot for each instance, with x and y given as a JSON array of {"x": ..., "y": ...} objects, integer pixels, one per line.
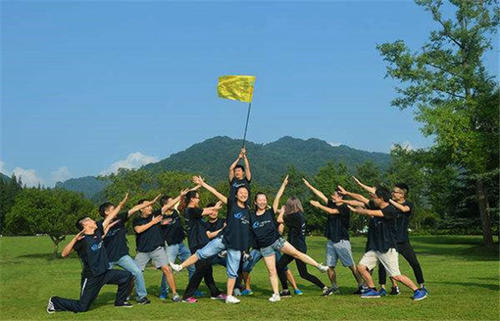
[
  {"x": 232, "y": 299},
  {"x": 322, "y": 268},
  {"x": 176, "y": 267},
  {"x": 275, "y": 297},
  {"x": 50, "y": 306}
]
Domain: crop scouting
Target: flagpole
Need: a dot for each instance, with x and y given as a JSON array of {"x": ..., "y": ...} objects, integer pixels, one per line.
[{"x": 246, "y": 125}]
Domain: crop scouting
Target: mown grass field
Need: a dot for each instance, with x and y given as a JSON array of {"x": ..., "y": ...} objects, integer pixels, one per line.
[{"x": 461, "y": 275}]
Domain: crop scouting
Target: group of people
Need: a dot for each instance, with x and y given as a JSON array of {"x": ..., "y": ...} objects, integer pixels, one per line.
[{"x": 251, "y": 231}]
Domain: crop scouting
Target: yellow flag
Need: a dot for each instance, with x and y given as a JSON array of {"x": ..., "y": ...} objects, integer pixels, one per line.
[{"x": 236, "y": 87}]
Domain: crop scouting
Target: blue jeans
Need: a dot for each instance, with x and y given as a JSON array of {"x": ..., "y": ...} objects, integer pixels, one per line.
[
  {"x": 214, "y": 247},
  {"x": 128, "y": 264},
  {"x": 173, "y": 251}
]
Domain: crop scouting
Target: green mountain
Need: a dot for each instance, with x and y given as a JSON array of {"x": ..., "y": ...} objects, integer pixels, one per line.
[
  {"x": 4, "y": 177},
  {"x": 212, "y": 158}
]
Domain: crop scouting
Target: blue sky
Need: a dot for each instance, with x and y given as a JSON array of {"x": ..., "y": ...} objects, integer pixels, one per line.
[{"x": 88, "y": 87}]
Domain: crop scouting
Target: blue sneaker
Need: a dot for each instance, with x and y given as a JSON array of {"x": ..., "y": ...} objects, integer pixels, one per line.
[
  {"x": 370, "y": 294},
  {"x": 425, "y": 289},
  {"x": 198, "y": 294},
  {"x": 163, "y": 295},
  {"x": 246, "y": 292},
  {"x": 419, "y": 294},
  {"x": 298, "y": 292},
  {"x": 382, "y": 292}
]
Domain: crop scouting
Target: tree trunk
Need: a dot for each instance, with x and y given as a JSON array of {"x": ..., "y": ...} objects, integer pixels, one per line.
[
  {"x": 56, "y": 245},
  {"x": 484, "y": 212}
]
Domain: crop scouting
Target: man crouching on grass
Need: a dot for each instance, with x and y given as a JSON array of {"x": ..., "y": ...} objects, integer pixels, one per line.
[{"x": 96, "y": 269}]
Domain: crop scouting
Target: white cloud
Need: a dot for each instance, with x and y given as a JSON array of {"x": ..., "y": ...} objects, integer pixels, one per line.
[
  {"x": 134, "y": 160},
  {"x": 61, "y": 174},
  {"x": 334, "y": 144},
  {"x": 3, "y": 170},
  {"x": 28, "y": 176}
]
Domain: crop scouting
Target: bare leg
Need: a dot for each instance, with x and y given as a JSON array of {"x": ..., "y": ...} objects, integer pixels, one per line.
[
  {"x": 291, "y": 279},
  {"x": 332, "y": 276},
  {"x": 356, "y": 275},
  {"x": 230, "y": 285},
  {"x": 190, "y": 260},
  {"x": 406, "y": 281},
  {"x": 170, "y": 278},
  {"x": 365, "y": 273},
  {"x": 273, "y": 274},
  {"x": 292, "y": 251},
  {"x": 246, "y": 279}
]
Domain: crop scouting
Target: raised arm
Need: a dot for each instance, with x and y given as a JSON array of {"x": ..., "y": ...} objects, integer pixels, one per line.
[
  {"x": 364, "y": 211},
  {"x": 141, "y": 228},
  {"x": 401, "y": 207},
  {"x": 69, "y": 247},
  {"x": 199, "y": 181},
  {"x": 233, "y": 165},
  {"x": 276, "y": 201},
  {"x": 139, "y": 207},
  {"x": 176, "y": 200},
  {"x": 324, "y": 208},
  {"x": 356, "y": 196},
  {"x": 317, "y": 192},
  {"x": 353, "y": 203},
  {"x": 369, "y": 189},
  {"x": 115, "y": 212},
  {"x": 248, "y": 172},
  {"x": 280, "y": 219}
]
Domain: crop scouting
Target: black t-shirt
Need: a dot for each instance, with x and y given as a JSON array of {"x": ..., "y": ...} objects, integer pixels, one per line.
[
  {"x": 237, "y": 231},
  {"x": 173, "y": 232},
  {"x": 195, "y": 226},
  {"x": 92, "y": 253},
  {"x": 235, "y": 183},
  {"x": 264, "y": 228},
  {"x": 150, "y": 239},
  {"x": 115, "y": 240},
  {"x": 402, "y": 222},
  {"x": 337, "y": 227},
  {"x": 381, "y": 230},
  {"x": 214, "y": 226},
  {"x": 296, "y": 230}
]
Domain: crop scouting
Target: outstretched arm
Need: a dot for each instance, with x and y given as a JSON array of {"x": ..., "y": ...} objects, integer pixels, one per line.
[
  {"x": 356, "y": 196},
  {"x": 353, "y": 203},
  {"x": 176, "y": 200},
  {"x": 276, "y": 202},
  {"x": 401, "y": 207},
  {"x": 68, "y": 248},
  {"x": 324, "y": 208},
  {"x": 139, "y": 207},
  {"x": 141, "y": 228},
  {"x": 316, "y": 191},
  {"x": 233, "y": 165},
  {"x": 369, "y": 189},
  {"x": 199, "y": 181},
  {"x": 248, "y": 172},
  {"x": 115, "y": 212},
  {"x": 364, "y": 211}
]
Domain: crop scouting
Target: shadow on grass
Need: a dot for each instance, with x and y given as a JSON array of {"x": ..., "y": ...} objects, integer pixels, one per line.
[
  {"x": 492, "y": 287},
  {"x": 469, "y": 253},
  {"x": 46, "y": 256}
]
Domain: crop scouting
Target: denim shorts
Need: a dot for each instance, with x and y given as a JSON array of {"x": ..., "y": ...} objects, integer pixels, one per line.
[{"x": 276, "y": 246}]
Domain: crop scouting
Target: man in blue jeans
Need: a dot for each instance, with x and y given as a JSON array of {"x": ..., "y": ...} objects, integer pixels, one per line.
[
  {"x": 115, "y": 242},
  {"x": 173, "y": 234}
]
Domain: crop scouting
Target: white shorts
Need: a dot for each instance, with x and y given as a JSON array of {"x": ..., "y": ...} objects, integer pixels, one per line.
[{"x": 388, "y": 259}]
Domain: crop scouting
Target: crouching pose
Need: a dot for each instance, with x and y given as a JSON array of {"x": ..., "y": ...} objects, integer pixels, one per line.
[
  {"x": 234, "y": 238},
  {"x": 96, "y": 270}
]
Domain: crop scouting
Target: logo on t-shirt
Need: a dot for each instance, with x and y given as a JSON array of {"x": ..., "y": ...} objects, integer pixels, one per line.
[{"x": 96, "y": 246}]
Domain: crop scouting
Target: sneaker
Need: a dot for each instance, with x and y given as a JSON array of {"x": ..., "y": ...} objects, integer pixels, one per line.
[
  {"x": 370, "y": 294},
  {"x": 199, "y": 294},
  {"x": 395, "y": 290},
  {"x": 50, "y": 307},
  {"x": 231, "y": 299},
  {"x": 275, "y": 297},
  {"x": 328, "y": 291},
  {"x": 124, "y": 304},
  {"x": 361, "y": 289},
  {"x": 285, "y": 294},
  {"x": 222, "y": 254},
  {"x": 298, "y": 292},
  {"x": 144, "y": 300},
  {"x": 419, "y": 294},
  {"x": 176, "y": 267},
  {"x": 246, "y": 292},
  {"x": 176, "y": 298},
  {"x": 236, "y": 292},
  {"x": 163, "y": 296},
  {"x": 190, "y": 300},
  {"x": 221, "y": 296},
  {"x": 425, "y": 289},
  {"x": 382, "y": 292},
  {"x": 322, "y": 268}
]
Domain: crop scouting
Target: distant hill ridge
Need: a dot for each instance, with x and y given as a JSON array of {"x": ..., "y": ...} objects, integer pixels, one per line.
[{"x": 212, "y": 157}]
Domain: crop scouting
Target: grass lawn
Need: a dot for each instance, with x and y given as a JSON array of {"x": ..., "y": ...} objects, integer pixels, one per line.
[{"x": 462, "y": 277}]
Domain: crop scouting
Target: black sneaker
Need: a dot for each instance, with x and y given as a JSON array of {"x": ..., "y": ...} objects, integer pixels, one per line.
[
  {"x": 395, "y": 290},
  {"x": 285, "y": 294},
  {"x": 125, "y": 304},
  {"x": 50, "y": 307},
  {"x": 144, "y": 300},
  {"x": 328, "y": 291}
]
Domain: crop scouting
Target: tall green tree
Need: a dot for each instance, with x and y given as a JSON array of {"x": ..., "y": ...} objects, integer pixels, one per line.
[
  {"x": 451, "y": 92},
  {"x": 8, "y": 192}
]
